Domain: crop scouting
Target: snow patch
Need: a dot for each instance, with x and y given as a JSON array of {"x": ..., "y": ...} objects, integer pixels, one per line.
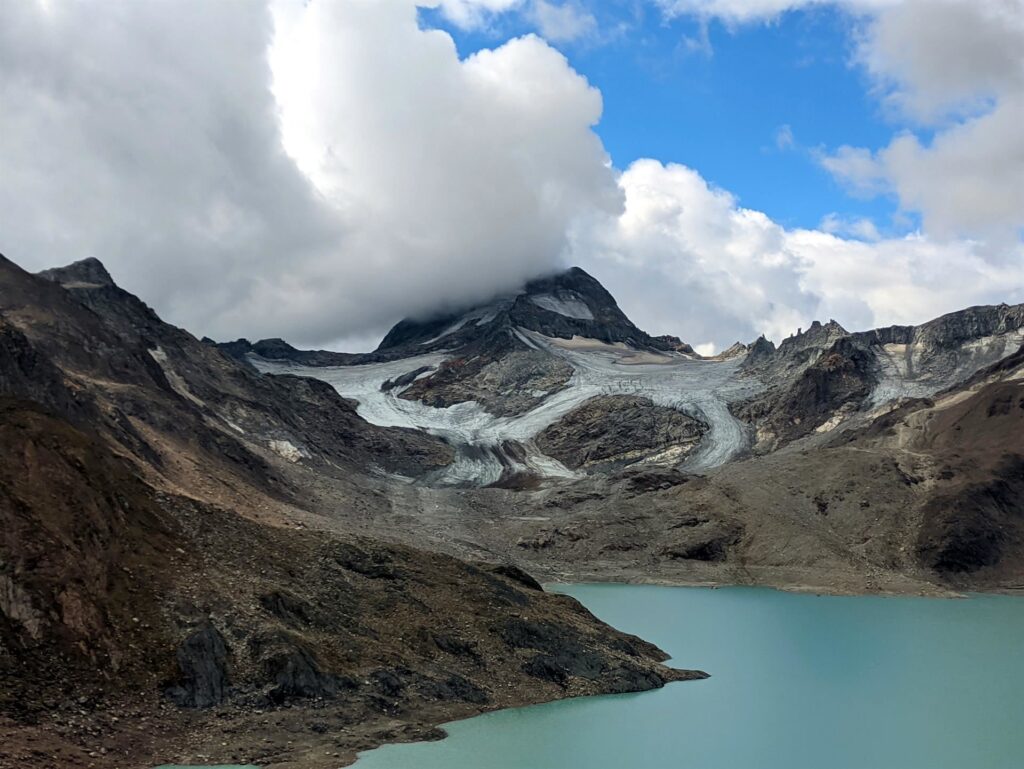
[
  {"x": 450, "y": 330},
  {"x": 178, "y": 384},
  {"x": 907, "y": 371},
  {"x": 567, "y": 303},
  {"x": 287, "y": 449}
]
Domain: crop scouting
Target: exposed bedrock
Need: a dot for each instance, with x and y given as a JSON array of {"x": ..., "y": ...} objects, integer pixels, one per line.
[
  {"x": 620, "y": 429},
  {"x": 203, "y": 671},
  {"x": 507, "y": 385},
  {"x": 836, "y": 384}
]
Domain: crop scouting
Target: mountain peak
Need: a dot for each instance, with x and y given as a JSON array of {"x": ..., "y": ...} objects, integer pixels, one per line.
[
  {"x": 84, "y": 273},
  {"x": 564, "y": 304}
]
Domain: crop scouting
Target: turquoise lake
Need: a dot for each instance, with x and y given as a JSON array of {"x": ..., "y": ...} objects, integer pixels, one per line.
[{"x": 797, "y": 682}]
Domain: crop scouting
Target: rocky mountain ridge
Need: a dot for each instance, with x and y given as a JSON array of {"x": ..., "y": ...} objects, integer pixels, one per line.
[
  {"x": 194, "y": 546},
  {"x": 565, "y": 304}
]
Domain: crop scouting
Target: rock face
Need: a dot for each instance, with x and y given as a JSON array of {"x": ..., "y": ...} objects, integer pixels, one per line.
[
  {"x": 202, "y": 663},
  {"x": 174, "y": 373},
  {"x": 819, "y": 460},
  {"x": 819, "y": 378},
  {"x": 566, "y": 304},
  {"x": 617, "y": 430},
  {"x": 531, "y": 360},
  {"x": 504, "y": 383},
  {"x": 86, "y": 273},
  {"x": 180, "y": 526},
  {"x": 835, "y": 384}
]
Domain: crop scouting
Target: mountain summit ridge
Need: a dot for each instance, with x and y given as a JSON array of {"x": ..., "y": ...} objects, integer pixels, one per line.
[{"x": 563, "y": 304}]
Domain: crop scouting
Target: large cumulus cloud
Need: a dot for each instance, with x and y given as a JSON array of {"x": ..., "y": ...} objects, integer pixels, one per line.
[
  {"x": 686, "y": 258},
  {"x": 387, "y": 176}
]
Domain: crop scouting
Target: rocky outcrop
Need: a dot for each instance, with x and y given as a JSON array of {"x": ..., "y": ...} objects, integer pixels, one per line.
[
  {"x": 837, "y": 383},
  {"x": 951, "y": 330},
  {"x": 88, "y": 272},
  {"x": 278, "y": 349},
  {"x": 203, "y": 671},
  {"x": 196, "y": 392},
  {"x": 699, "y": 539},
  {"x": 507, "y": 384},
  {"x": 610, "y": 429}
]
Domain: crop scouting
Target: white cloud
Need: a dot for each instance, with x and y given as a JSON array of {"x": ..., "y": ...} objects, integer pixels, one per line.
[
  {"x": 684, "y": 258},
  {"x": 140, "y": 133},
  {"x": 562, "y": 22},
  {"x": 784, "y": 139},
  {"x": 959, "y": 67},
  {"x": 748, "y": 11},
  {"x": 738, "y": 11},
  {"x": 969, "y": 180},
  {"x": 861, "y": 228},
  {"x": 858, "y": 169},
  {"x": 933, "y": 58},
  {"x": 457, "y": 177},
  {"x": 470, "y": 14},
  {"x": 414, "y": 179}
]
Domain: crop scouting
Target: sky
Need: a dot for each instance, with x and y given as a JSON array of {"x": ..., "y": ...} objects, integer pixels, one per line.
[{"x": 317, "y": 170}]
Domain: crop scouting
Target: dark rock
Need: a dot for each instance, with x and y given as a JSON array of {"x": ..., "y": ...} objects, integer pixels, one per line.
[
  {"x": 516, "y": 574},
  {"x": 404, "y": 379},
  {"x": 454, "y": 688},
  {"x": 619, "y": 429},
  {"x": 564, "y": 652},
  {"x": 388, "y": 682},
  {"x": 599, "y": 317},
  {"x": 375, "y": 564},
  {"x": 288, "y": 607},
  {"x": 449, "y": 644},
  {"x": 89, "y": 271},
  {"x": 278, "y": 349},
  {"x": 646, "y": 479},
  {"x": 202, "y": 662},
  {"x": 841, "y": 377},
  {"x": 704, "y": 542},
  {"x": 526, "y": 634},
  {"x": 630, "y": 678},
  {"x": 560, "y": 666},
  {"x": 969, "y": 529},
  {"x": 294, "y": 673}
]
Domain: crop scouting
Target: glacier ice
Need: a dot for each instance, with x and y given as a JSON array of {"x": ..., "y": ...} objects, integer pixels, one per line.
[{"x": 700, "y": 388}]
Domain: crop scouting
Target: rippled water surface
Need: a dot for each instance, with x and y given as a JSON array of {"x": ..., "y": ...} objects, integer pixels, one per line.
[{"x": 798, "y": 682}]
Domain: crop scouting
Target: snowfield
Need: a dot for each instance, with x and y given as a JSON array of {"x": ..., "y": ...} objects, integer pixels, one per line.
[
  {"x": 904, "y": 372},
  {"x": 699, "y": 388}
]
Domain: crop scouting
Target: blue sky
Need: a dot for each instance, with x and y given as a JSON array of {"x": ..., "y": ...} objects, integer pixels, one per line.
[{"x": 716, "y": 97}]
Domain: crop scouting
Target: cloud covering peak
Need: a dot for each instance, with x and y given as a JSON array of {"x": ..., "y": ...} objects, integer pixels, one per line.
[{"x": 314, "y": 171}]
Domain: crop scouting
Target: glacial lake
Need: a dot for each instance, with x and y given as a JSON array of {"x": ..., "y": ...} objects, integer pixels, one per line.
[{"x": 797, "y": 682}]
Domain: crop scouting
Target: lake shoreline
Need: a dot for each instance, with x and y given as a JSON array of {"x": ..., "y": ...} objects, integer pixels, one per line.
[
  {"x": 228, "y": 734},
  {"x": 756, "y": 640}
]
